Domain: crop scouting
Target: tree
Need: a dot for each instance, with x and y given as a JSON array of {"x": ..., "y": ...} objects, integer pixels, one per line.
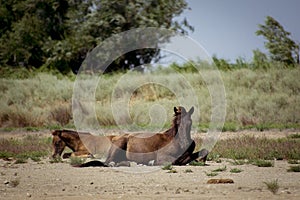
[
  {"x": 58, "y": 34},
  {"x": 260, "y": 60},
  {"x": 27, "y": 25},
  {"x": 279, "y": 44}
]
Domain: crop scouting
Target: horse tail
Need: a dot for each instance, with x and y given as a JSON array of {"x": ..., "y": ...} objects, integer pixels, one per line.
[{"x": 93, "y": 163}]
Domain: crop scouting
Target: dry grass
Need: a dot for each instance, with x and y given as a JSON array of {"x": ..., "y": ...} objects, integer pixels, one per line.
[
  {"x": 252, "y": 148},
  {"x": 30, "y": 146},
  {"x": 255, "y": 99}
]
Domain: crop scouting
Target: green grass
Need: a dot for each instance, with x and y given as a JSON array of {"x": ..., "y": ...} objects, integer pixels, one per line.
[
  {"x": 76, "y": 161},
  {"x": 272, "y": 186},
  {"x": 172, "y": 171},
  {"x": 239, "y": 162},
  {"x": 167, "y": 166},
  {"x": 235, "y": 170},
  {"x": 263, "y": 163},
  {"x": 294, "y": 136},
  {"x": 294, "y": 161},
  {"x": 21, "y": 149},
  {"x": 211, "y": 174},
  {"x": 220, "y": 169},
  {"x": 294, "y": 168},
  {"x": 196, "y": 163}
]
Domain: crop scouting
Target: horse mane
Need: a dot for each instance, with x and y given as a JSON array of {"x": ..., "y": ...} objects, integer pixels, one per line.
[
  {"x": 55, "y": 132},
  {"x": 174, "y": 128}
]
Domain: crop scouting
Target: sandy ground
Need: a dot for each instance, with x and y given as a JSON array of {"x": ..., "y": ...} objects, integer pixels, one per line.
[{"x": 45, "y": 180}]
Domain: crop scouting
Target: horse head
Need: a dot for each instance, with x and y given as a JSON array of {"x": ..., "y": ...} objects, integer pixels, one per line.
[
  {"x": 184, "y": 124},
  {"x": 57, "y": 143}
]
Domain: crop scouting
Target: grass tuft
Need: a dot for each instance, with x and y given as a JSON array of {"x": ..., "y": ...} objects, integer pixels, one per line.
[
  {"x": 220, "y": 169},
  {"x": 294, "y": 168},
  {"x": 263, "y": 163},
  {"x": 272, "y": 186},
  {"x": 236, "y": 170},
  {"x": 211, "y": 174},
  {"x": 76, "y": 161},
  {"x": 196, "y": 163},
  {"x": 167, "y": 166},
  {"x": 188, "y": 171}
]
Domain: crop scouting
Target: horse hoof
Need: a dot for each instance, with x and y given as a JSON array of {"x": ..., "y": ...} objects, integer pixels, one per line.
[
  {"x": 203, "y": 155},
  {"x": 111, "y": 164},
  {"x": 151, "y": 162}
]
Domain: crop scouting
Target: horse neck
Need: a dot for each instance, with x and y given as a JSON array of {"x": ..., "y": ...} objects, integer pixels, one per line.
[
  {"x": 69, "y": 142},
  {"x": 184, "y": 137},
  {"x": 174, "y": 128}
]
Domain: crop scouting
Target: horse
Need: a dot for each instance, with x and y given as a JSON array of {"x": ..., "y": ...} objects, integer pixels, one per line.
[
  {"x": 174, "y": 145},
  {"x": 83, "y": 144}
]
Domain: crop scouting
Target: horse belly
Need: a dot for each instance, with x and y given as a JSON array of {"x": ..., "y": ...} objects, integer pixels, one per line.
[
  {"x": 138, "y": 152},
  {"x": 141, "y": 157}
]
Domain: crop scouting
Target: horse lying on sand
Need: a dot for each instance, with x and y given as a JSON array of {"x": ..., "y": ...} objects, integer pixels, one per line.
[
  {"x": 82, "y": 144},
  {"x": 175, "y": 145}
]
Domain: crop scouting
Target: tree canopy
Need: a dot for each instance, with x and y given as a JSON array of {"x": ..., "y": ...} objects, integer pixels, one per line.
[
  {"x": 279, "y": 43},
  {"x": 58, "y": 34}
]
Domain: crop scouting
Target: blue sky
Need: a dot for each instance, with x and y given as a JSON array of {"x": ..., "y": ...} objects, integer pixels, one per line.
[{"x": 226, "y": 28}]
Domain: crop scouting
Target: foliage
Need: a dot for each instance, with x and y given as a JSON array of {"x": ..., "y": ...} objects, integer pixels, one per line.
[
  {"x": 263, "y": 163},
  {"x": 220, "y": 169},
  {"x": 281, "y": 47},
  {"x": 74, "y": 161},
  {"x": 257, "y": 149},
  {"x": 294, "y": 161},
  {"x": 58, "y": 34},
  {"x": 197, "y": 163},
  {"x": 256, "y": 99},
  {"x": 28, "y": 147},
  {"x": 294, "y": 168},
  {"x": 188, "y": 171},
  {"x": 211, "y": 174},
  {"x": 294, "y": 136},
  {"x": 260, "y": 60},
  {"x": 167, "y": 166},
  {"x": 235, "y": 170},
  {"x": 273, "y": 186}
]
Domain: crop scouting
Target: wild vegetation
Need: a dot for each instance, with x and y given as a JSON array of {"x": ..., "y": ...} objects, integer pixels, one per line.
[
  {"x": 256, "y": 149},
  {"x": 21, "y": 149},
  {"x": 260, "y": 99}
]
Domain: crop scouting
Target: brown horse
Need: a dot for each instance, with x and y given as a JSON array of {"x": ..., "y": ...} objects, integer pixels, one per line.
[
  {"x": 82, "y": 144},
  {"x": 172, "y": 146}
]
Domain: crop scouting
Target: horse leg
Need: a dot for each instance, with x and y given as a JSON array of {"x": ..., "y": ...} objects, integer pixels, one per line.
[
  {"x": 199, "y": 156},
  {"x": 82, "y": 154},
  {"x": 185, "y": 157},
  {"x": 117, "y": 151}
]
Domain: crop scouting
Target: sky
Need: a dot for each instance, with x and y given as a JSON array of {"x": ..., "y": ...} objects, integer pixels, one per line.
[{"x": 226, "y": 28}]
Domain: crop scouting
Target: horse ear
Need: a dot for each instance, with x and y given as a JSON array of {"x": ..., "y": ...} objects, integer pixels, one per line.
[
  {"x": 175, "y": 110},
  {"x": 56, "y": 132},
  {"x": 191, "y": 111}
]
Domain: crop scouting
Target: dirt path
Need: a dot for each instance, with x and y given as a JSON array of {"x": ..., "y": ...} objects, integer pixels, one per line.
[
  {"x": 61, "y": 181},
  {"x": 45, "y": 180}
]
